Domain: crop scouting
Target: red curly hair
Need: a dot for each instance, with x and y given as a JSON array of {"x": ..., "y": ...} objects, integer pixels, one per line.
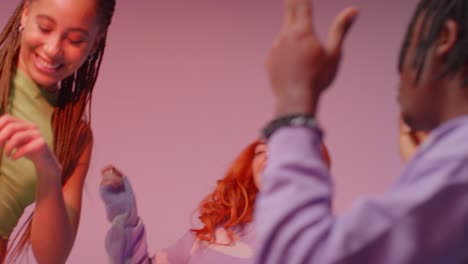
[{"x": 231, "y": 203}]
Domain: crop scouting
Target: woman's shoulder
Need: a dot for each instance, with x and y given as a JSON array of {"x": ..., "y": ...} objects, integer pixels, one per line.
[{"x": 178, "y": 252}]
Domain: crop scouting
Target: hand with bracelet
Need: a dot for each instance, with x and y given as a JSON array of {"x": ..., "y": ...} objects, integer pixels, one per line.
[
  {"x": 420, "y": 218},
  {"x": 301, "y": 67}
]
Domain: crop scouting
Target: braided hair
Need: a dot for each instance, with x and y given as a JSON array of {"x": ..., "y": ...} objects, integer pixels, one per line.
[
  {"x": 71, "y": 116},
  {"x": 435, "y": 13}
]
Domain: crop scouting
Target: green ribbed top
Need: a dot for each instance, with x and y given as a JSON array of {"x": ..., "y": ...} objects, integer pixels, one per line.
[{"x": 18, "y": 178}]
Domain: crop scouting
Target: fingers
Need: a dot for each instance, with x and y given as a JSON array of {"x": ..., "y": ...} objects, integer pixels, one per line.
[
  {"x": 16, "y": 134},
  {"x": 21, "y": 138},
  {"x": 5, "y": 119},
  {"x": 10, "y": 127},
  {"x": 289, "y": 13},
  {"x": 339, "y": 30},
  {"x": 106, "y": 168},
  {"x": 111, "y": 176},
  {"x": 298, "y": 13},
  {"x": 112, "y": 169},
  {"x": 27, "y": 148},
  {"x": 8, "y": 120},
  {"x": 304, "y": 14}
]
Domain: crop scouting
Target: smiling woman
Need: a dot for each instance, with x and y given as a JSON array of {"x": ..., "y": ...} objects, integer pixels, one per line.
[
  {"x": 57, "y": 38},
  {"x": 50, "y": 55}
]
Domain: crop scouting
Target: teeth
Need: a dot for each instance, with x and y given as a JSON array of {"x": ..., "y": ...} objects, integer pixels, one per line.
[{"x": 47, "y": 65}]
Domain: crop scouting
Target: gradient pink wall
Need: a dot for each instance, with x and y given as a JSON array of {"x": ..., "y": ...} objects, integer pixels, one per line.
[{"x": 183, "y": 89}]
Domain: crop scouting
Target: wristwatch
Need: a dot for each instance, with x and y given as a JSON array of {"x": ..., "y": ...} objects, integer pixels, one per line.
[{"x": 303, "y": 120}]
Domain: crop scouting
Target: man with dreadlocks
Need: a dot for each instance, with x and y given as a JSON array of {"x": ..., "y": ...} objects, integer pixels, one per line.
[
  {"x": 423, "y": 217},
  {"x": 50, "y": 54}
]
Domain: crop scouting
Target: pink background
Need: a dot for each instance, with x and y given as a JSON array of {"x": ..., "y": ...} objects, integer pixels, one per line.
[{"x": 183, "y": 89}]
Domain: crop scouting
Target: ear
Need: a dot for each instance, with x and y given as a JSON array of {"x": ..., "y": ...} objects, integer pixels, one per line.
[
  {"x": 25, "y": 13},
  {"x": 447, "y": 38}
]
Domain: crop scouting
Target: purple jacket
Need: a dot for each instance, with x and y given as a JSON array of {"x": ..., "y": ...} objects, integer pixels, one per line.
[{"x": 422, "y": 218}]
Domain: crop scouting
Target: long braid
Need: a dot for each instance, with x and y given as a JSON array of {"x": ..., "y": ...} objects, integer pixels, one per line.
[
  {"x": 9, "y": 47},
  {"x": 436, "y": 13},
  {"x": 71, "y": 117}
]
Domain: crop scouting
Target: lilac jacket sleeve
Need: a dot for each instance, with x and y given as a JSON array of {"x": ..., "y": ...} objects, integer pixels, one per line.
[
  {"x": 421, "y": 219},
  {"x": 125, "y": 241}
]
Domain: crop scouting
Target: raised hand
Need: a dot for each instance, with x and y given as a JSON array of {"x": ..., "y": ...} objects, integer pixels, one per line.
[
  {"x": 118, "y": 196},
  {"x": 111, "y": 176},
  {"x": 299, "y": 65},
  {"x": 22, "y": 138}
]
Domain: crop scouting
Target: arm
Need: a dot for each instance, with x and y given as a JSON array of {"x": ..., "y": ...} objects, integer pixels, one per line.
[
  {"x": 126, "y": 239},
  {"x": 398, "y": 227},
  {"x": 56, "y": 216},
  {"x": 422, "y": 219}
]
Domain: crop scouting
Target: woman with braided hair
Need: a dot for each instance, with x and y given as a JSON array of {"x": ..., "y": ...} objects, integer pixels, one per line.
[{"x": 50, "y": 55}]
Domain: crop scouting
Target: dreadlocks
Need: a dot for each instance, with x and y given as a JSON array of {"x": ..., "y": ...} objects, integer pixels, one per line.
[
  {"x": 436, "y": 13},
  {"x": 71, "y": 117}
]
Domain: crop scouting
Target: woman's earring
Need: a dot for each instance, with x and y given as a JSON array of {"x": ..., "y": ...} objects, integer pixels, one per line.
[{"x": 20, "y": 28}]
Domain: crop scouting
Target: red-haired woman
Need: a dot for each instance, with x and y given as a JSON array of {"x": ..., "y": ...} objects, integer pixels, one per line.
[{"x": 226, "y": 235}]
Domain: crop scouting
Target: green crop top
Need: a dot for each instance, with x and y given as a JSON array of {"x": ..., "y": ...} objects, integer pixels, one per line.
[{"x": 18, "y": 178}]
